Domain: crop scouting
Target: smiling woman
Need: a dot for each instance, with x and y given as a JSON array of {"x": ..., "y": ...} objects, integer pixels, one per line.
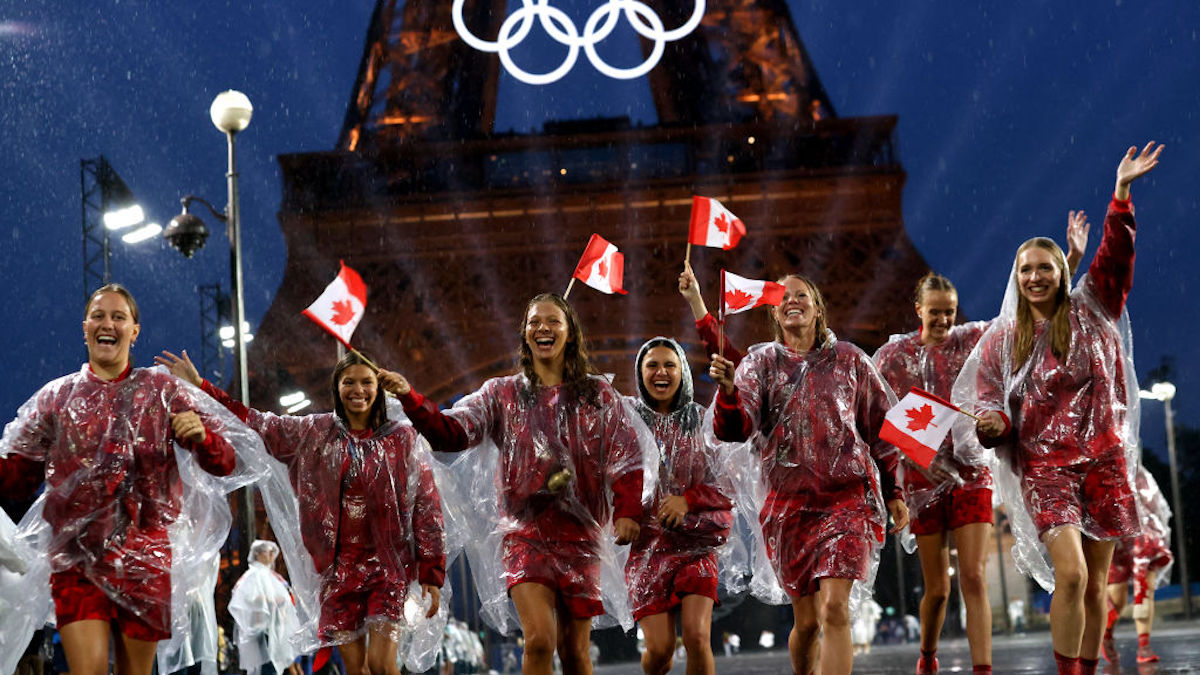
[
  {"x": 112, "y": 490},
  {"x": 370, "y": 509}
]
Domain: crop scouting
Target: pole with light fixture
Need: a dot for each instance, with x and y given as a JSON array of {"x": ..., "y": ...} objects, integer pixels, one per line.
[
  {"x": 230, "y": 113},
  {"x": 1165, "y": 392},
  {"x": 105, "y": 193}
]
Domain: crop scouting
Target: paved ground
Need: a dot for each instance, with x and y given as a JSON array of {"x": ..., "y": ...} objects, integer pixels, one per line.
[{"x": 1178, "y": 644}]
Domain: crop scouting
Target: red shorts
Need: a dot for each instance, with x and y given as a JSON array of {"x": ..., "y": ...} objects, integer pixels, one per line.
[
  {"x": 355, "y": 592},
  {"x": 952, "y": 510},
  {"x": 658, "y": 580},
  {"x": 1095, "y": 496},
  {"x": 806, "y": 546},
  {"x": 570, "y": 568},
  {"x": 76, "y": 598}
]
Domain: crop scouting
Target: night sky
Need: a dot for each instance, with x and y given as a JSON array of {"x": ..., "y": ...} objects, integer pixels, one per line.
[{"x": 1009, "y": 118}]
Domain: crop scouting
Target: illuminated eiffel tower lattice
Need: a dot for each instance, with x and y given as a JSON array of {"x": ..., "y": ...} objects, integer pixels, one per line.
[{"x": 454, "y": 226}]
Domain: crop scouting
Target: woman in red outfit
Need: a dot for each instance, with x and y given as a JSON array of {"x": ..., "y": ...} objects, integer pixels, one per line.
[
  {"x": 672, "y": 572},
  {"x": 814, "y": 406},
  {"x": 562, "y": 442},
  {"x": 370, "y": 511},
  {"x": 103, "y": 440},
  {"x": 1050, "y": 383},
  {"x": 930, "y": 359}
]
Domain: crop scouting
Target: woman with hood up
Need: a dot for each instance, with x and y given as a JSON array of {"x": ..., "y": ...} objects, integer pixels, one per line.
[{"x": 672, "y": 570}]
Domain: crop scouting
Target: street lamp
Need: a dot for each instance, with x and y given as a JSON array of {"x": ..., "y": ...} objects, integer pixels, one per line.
[
  {"x": 1165, "y": 392},
  {"x": 230, "y": 113}
]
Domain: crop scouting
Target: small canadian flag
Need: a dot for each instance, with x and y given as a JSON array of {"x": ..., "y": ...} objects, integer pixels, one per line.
[
  {"x": 741, "y": 294},
  {"x": 714, "y": 225},
  {"x": 918, "y": 424},
  {"x": 602, "y": 266},
  {"x": 341, "y": 306}
]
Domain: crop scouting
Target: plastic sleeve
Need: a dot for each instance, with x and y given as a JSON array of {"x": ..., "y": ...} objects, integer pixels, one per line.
[
  {"x": 708, "y": 329},
  {"x": 428, "y": 530},
  {"x": 444, "y": 433},
  {"x": 730, "y": 422},
  {"x": 214, "y": 453},
  {"x": 706, "y": 498},
  {"x": 1111, "y": 271}
]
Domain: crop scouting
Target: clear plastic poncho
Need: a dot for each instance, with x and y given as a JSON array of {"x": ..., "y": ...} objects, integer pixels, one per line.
[
  {"x": 1073, "y": 413},
  {"x": 814, "y": 453},
  {"x": 1150, "y": 549},
  {"x": 682, "y": 463},
  {"x": 522, "y": 436},
  {"x": 370, "y": 508},
  {"x": 133, "y": 512},
  {"x": 905, "y": 362},
  {"x": 263, "y": 613}
]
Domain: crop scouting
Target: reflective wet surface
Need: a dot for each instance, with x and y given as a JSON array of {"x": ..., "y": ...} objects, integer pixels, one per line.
[{"x": 1177, "y": 644}]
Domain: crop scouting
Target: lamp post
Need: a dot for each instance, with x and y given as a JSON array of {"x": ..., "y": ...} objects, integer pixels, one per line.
[
  {"x": 1165, "y": 392},
  {"x": 230, "y": 113}
]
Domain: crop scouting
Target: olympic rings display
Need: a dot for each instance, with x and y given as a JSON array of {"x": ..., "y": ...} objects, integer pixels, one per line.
[{"x": 644, "y": 20}]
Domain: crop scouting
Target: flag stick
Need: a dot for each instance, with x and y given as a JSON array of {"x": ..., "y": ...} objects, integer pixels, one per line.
[
  {"x": 687, "y": 257},
  {"x": 567, "y": 293},
  {"x": 367, "y": 361},
  {"x": 721, "y": 317},
  {"x": 974, "y": 417}
]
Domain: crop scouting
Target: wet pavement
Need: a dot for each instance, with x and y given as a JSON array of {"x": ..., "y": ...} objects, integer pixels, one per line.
[{"x": 1177, "y": 644}]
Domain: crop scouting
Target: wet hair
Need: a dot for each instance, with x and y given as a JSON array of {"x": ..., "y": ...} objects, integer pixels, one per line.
[
  {"x": 577, "y": 368},
  {"x": 932, "y": 282},
  {"x": 818, "y": 302},
  {"x": 1060, "y": 321},
  {"x": 377, "y": 415},
  {"x": 119, "y": 290}
]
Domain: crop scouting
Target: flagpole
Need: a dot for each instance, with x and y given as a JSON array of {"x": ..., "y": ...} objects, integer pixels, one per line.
[
  {"x": 367, "y": 361},
  {"x": 721, "y": 317},
  {"x": 687, "y": 257},
  {"x": 567, "y": 293}
]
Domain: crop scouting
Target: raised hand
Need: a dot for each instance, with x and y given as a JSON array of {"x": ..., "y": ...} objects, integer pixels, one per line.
[
  {"x": 180, "y": 366},
  {"x": 1077, "y": 238},
  {"x": 721, "y": 371},
  {"x": 1134, "y": 165},
  {"x": 690, "y": 290},
  {"x": 188, "y": 426},
  {"x": 394, "y": 383}
]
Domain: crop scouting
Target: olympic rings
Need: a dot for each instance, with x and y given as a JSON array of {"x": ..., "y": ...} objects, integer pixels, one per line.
[{"x": 516, "y": 27}]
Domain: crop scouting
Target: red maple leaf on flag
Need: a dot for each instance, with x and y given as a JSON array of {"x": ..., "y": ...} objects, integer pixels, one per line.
[
  {"x": 722, "y": 224},
  {"x": 919, "y": 419},
  {"x": 602, "y": 268},
  {"x": 737, "y": 299},
  {"x": 343, "y": 312}
]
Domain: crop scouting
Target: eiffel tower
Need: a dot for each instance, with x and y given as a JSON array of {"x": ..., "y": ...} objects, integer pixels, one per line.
[{"x": 454, "y": 226}]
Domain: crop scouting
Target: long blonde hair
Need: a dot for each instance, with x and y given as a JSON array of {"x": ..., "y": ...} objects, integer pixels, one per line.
[
  {"x": 1060, "y": 321},
  {"x": 818, "y": 302}
]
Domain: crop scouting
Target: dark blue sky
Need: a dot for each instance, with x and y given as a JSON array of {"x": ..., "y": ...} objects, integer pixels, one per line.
[{"x": 1008, "y": 118}]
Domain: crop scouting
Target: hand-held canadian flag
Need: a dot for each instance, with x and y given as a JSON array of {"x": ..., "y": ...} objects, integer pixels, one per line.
[
  {"x": 602, "y": 267},
  {"x": 341, "y": 306},
  {"x": 918, "y": 424},
  {"x": 714, "y": 225},
  {"x": 739, "y": 294}
]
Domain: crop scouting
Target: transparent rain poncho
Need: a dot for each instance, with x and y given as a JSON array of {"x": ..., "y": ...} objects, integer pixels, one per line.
[
  {"x": 522, "y": 436},
  {"x": 371, "y": 517},
  {"x": 263, "y": 614},
  {"x": 905, "y": 362},
  {"x": 1149, "y": 549},
  {"x": 130, "y": 510},
  {"x": 813, "y": 467},
  {"x": 1075, "y": 415},
  {"x": 681, "y": 463}
]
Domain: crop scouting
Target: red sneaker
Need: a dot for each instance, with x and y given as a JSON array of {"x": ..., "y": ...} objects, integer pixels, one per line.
[
  {"x": 1146, "y": 655},
  {"x": 1109, "y": 648},
  {"x": 925, "y": 667}
]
